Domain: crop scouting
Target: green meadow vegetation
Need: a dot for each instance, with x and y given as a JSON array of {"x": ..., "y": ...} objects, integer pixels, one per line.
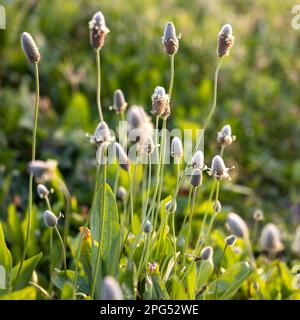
[{"x": 84, "y": 215}]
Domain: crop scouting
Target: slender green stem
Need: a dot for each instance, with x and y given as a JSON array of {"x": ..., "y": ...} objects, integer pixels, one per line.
[
  {"x": 174, "y": 243},
  {"x": 161, "y": 174},
  {"x": 101, "y": 225},
  {"x": 85, "y": 227},
  {"x": 206, "y": 123},
  {"x": 198, "y": 242},
  {"x": 33, "y": 154},
  {"x": 63, "y": 249},
  {"x": 190, "y": 222},
  {"x": 50, "y": 246},
  {"x": 171, "y": 75},
  {"x": 214, "y": 214},
  {"x": 145, "y": 249},
  {"x": 219, "y": 271},
  {"x": 188, "y": 209},
  {"x": 148, "y": 186},
  {"x": 99, "y": 84}
]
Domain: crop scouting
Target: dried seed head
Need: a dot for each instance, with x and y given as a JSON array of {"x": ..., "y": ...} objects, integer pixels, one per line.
[
  {"x": 42, "y": 170},
  {"x": 147, "y": 227},
  {"x": 121, "y": 193},
  {"x": 42, "y": 191},
  {"x": 198, "y": 160},
  {"x": 217, "y": 207},
  {"x": 30, "y": 49},
  {"x": 50, "y": 219},
  {"x": 101, "y": 134},
  {"x": 111, "y": 289},
  {"x": 196, "y": 178},
  {"x": 123, "y": 160},
  {"x": 230, "y": 240},
  {"x": 176, "y": 148},
  {"x": 237, "y": 226},
  {"x": 98, "y": 30},
  {"x": 120, "y": 103},
  {"x": 207, "y": 253},
  {"x": 296, "y": 242},
  {"x": 169, "y": 206},
  {"x": 160, "y": 102},
  {"x": 225, "y": 137},
  {"x": 258, "y": 215},
  {"x": 270, "y": 238},
  {"x": 225, "y": 40},
  {"x": 218, "y": 169},
  {"x": 170, "y": 40}
]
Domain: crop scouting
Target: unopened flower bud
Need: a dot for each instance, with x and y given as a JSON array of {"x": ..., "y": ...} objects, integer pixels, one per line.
[
  {"x": 230, "y": 240},
  {"x": 160, "y": 102},
  {"x": 111, "y": 289},
  {"x": 176, "y": 148},
  {"x": 207, "y": 253},
  {"x": 170, "y": 206},
  {"x": 258, "y": 215},
  {"x": 225, "y": 40},
  {"x": 237, "y": 226},
  {"x": 170, "y": 40},
  {"x": 30, "y": 49},
  {"x": 120, "y": 104},
  {"x": 196, "y": 178},
  {"x": 42, "y": 191},
  {"x": 147, "y": 227},
  {"x": 50, "y": 219},
  {"x": 98, "y": 30},
  {"x": 121, "y": 193},
  {"x": 217, "y": 207},
  {"x": 270, "y": 238},
  {"x": 148, "y": 147},
  {"x": 123, "y": 160}
]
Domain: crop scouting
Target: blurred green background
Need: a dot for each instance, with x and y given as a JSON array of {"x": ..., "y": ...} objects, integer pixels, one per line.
[{"x": 258, "y": 90}]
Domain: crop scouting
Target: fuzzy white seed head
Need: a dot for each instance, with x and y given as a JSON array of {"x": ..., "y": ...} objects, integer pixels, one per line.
[
  {"x": 198, "y": 160},
  {"x": 271, "y": 239},
  {"x": 50, "y": 219},
  {"x": 30, "y": 48},
  {"x": 111, "y": 289},
  {"x": 120, "y": 103},
  {"x": 98, "y": 30},
  {"x": 225, "y": 40},
  {"x": 42, "y": 191},
  {"x": 225, "y": 136},
  {"x": 218, "y": 169},
  {"x": 176, "y": 148},
  {"x": 101, "y": 134},
  {"x": 160, "y": 102},
  {"x": 237, "y": 226}
]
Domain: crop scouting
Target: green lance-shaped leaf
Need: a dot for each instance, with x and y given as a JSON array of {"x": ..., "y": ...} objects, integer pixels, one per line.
[
  {"x": 106, "y": 231},
  {"x": 26, "y": 273},
  {"x": 28, "y": 293},
  {"x": 5, "y": 265},
  {"x": 230, "y": 281},
  {"x": 159, "y": 291},
  {"x": 191, "y": 281},
  {"x": 205, "y": 271}
]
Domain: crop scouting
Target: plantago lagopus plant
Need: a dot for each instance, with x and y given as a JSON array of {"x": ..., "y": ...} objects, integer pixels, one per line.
[{"x": 33, "y": 55}]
